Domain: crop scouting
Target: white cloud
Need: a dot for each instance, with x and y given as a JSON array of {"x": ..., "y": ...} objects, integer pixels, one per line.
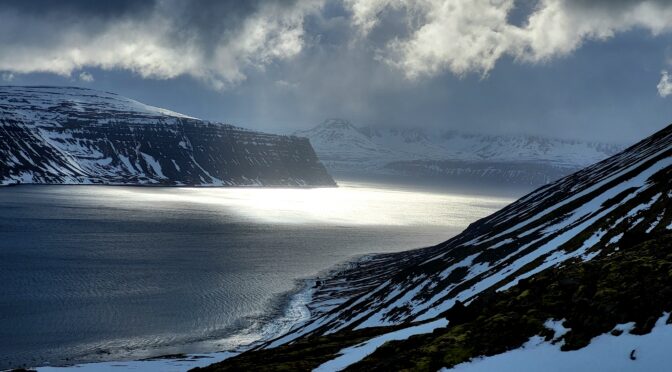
[
  {"x": 149, "y": 47},
  {"x": 464, "y": 36},
  {"x": 365, "y": 13},
  {"x": 665, "y": 84},
  {"x": 86, "y": 77},
  {"x": 460, "y": 36},
  {"x": 7, "y": 76}
]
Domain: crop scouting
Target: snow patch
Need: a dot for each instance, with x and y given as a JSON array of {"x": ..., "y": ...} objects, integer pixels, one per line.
[
  {"x": 354, "y": 354},
  {"x": 150, "y": 365},
  {"x": 651, "y": 352}
]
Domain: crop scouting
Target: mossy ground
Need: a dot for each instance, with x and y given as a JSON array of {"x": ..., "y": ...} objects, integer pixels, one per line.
[{"x": 633, "y": 284}]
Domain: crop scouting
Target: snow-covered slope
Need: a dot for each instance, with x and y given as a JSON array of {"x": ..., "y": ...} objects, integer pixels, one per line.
[
  {"x": 75, "y": 135},
  {"x": 347, "y": 149},
  {"x": 608, "y": 352},
  {"x": 591, "y": 250}
]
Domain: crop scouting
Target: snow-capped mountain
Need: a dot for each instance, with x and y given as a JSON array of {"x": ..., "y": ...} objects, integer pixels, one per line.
[
  {"x": 528, "y": 160},
  {"x": 586, "y": 257},
  {"x": 76, "y": 135}
]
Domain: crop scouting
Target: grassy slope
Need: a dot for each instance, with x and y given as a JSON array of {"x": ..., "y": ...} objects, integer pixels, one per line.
[{"x": 631, "y": 284}]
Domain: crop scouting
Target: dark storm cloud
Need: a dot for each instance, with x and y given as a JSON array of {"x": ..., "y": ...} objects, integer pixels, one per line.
[
  {"x": 214, "y": 41},
  {"x": 41, "y": 24},
  {"x": 206, "y": 23},
  {"x": 573, "y": 68},
  {"x": 211, "y": 20},
  {"x": 204, "y": 16},
  {"x": 219, "y": 40},
  {"x": 79, "y": 8}
]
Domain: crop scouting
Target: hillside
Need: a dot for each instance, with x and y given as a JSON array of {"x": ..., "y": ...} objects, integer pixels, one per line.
[
  {"x": 58, "y": 135},
  {"x": 346, "y": 149},
  {"x": 584, "y": 258}
]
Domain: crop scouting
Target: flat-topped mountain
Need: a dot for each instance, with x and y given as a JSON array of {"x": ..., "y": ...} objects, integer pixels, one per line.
[
  {"x": 523, "y": 160},
  {"x": 61, "y": 135},
  {"x": 588, "y": 256}
]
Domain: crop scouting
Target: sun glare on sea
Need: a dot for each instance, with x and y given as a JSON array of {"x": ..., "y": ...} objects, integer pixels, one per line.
[{"x": 349, "y": 204}]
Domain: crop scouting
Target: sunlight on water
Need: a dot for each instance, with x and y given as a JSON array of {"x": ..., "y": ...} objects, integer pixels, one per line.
[
  {"x": 132, "y": 272},
  {"x": 350, "y": 204}
]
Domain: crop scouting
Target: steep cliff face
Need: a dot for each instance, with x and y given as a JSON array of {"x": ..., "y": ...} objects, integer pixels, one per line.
[{"x": 57, "y": 135}]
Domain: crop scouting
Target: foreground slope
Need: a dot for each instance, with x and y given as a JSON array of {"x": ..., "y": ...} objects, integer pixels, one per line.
[
  {"x": 58, "y": 135},
  {"x": 520, "y": 160},
  {"x": 592, "y": 249}
]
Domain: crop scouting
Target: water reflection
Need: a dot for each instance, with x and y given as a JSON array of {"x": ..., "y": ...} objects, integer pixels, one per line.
[
  {"x": 97, "y": 272},
  {"x": 350, "y": 204}
]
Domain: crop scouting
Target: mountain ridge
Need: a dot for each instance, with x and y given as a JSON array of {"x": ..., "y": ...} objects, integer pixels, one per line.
[
  {"x": 615, "y": 213},
  {"x": 525, "y": 160},
  {"x": 66, "y": 135}
]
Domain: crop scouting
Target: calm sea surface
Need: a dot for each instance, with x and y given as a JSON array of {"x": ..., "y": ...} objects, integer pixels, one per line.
[{"x": 102, "y": 273}]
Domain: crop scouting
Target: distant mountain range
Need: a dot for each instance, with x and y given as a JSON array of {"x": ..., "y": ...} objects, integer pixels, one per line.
[
  {"x": 346, "y": 149},
  {"x": 60, "y": 135},
  {"x": 576, "y": 275}
]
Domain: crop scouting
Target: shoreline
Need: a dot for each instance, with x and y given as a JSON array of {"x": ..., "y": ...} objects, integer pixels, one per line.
[
  {"x": 270, "y": 327},
  {"x": 296, "y": 301}
]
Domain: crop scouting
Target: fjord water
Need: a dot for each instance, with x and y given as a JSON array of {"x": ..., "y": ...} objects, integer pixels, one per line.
[{"x": 102, "y": 273}]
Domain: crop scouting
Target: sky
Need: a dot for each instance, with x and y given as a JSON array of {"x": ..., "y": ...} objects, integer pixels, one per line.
[{"x": 587, "y": 69}]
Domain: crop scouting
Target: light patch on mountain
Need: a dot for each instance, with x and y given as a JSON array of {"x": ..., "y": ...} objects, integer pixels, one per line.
[{"x": 347, "y": 149}]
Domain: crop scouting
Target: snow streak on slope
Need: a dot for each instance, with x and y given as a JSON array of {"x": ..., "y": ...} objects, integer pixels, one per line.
[
  {"x": 354, "y": 354},
  {"x": 530, "y": 160},
  {"x": 608, "y": 352},
  {"x": 581, "y": 216},
  {"x": 75, "y": 135}
]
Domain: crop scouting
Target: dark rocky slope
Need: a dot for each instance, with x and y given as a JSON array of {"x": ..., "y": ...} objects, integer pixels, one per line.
[
  {"x": 53, "y": 135},
  {"x": 592, "y": 248}
]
